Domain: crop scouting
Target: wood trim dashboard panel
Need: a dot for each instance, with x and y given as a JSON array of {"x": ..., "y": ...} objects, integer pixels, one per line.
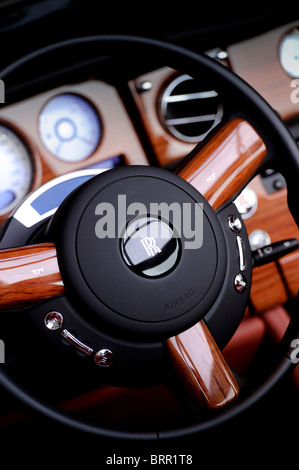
[
  {"x": 275, "y": 283},
  {"x": 256, "y": 60}
]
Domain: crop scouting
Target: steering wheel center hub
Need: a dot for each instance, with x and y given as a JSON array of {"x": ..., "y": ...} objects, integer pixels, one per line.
[{"x": 142, "y": 250}]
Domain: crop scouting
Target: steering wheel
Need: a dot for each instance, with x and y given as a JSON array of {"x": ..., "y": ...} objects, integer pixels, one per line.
[{"x": 117, "y": 277}]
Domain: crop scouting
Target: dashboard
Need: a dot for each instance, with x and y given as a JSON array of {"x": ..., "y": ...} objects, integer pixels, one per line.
[
  {"x": 87, "y": 124},
  {"x": 60, "y": 131}
]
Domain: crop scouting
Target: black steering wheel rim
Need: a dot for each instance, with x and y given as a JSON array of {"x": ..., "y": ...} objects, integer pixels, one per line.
[{"x": 280, "y": 141}]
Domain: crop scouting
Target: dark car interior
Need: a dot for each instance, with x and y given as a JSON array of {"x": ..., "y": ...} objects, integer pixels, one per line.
[{"x": 96, "y": 347}]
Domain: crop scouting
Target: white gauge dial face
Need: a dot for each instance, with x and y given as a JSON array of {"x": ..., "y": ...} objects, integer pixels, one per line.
[
  {"x": 70, "y": 127},
  {"x": 16, "y": 170},
  {"x": 289, "y": 53}
]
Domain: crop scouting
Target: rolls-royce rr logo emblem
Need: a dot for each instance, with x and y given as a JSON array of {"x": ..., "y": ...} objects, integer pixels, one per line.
[{"x": 150, "y": 246}]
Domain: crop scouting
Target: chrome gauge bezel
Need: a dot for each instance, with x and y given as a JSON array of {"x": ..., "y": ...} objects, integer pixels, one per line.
[
  {"x": 69, "y": 136},
  {"x": 289, "y": 63},
  {"x": 24, "y": 172}
]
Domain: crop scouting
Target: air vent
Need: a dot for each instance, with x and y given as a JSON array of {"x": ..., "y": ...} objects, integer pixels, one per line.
[{"x": 190, "y": 110}]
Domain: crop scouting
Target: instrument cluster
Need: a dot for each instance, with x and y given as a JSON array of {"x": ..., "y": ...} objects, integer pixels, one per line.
[
  {"x": 80, "y": 126},
  {"x": 70, "y": 129}
]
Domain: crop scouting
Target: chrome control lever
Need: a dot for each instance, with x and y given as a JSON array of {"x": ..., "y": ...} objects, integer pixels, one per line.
[{"x": 273, "y": 252}]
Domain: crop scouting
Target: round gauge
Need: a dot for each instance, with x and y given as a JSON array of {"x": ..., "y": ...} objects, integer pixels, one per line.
[
  {"x": 70, "y": 127},
  {"x": 289, "y": 53},
  {"x": 15, "y": 169}
]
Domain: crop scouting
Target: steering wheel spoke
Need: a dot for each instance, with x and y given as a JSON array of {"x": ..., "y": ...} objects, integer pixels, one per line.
[
  {"x": 201, "y": 367},
  {"x": 220, "y": 168},
  {"x": 28, "y": 274}
]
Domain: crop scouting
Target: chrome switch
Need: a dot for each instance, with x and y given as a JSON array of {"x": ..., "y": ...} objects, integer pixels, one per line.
[{"x": 241, "y": 254}]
